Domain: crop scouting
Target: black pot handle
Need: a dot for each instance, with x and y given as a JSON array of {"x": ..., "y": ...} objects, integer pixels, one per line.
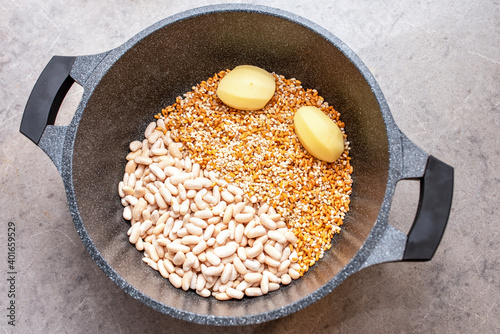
[
  {"x": 46, "y": 97},
  {"x": 436, "y": 193}
]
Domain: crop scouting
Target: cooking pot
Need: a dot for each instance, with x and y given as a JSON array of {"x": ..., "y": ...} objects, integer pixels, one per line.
[{"x": 123, "y": 88}]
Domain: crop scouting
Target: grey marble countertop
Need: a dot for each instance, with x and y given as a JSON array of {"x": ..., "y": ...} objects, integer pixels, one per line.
[{"x": 439, "y": 68}]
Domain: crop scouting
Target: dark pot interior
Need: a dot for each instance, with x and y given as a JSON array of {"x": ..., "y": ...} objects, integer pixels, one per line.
[{"x": 166, "y": 63}]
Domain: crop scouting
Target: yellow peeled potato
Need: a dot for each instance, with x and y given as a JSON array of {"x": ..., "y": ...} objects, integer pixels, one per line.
[
  {"x": 246, "y": 87},
  {"x": 318, "y": 133}
]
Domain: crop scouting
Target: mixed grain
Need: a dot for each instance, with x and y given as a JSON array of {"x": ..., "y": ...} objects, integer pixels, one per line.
[{"x": 233, "y": 193}]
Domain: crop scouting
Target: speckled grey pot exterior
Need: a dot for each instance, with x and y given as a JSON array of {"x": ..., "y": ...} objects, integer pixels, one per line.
[{"x": 76, "y": 150}]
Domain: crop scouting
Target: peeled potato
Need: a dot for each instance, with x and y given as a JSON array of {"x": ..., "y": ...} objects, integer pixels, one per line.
[
  {"x": 318, "y": 133},
  {"x": 247, "y": 87}
]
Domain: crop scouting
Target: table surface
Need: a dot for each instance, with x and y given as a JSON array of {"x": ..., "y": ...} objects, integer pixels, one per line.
[{"x": 439, "y": 68}]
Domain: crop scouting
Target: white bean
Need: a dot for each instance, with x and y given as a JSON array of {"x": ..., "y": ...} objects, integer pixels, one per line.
[
  {"x": 286, "y": 254},
  {"x": 135, "y": 233},
  {"x": 225, "y": 251},
  {"x": 158, "y": 228},
  {"x": 152, "y": 188},
  {"x": 239, "y": 266},
  {"x": 214, "y": 220},
  {"x": 233, "y": 293},
  {"x": 187, "y": 164},
  {"x": 238, "y": 208},
  {"x": 231, "y": 227},
  {"x": 204, "y": 293},
  {"x": 159, "y": 151},
  {"x": 151, "y": 250},
  {"x": 200, "y": 282},
  {"x": 138, "y": 208},
  {"x": 179, "y": 258},
  {"x": 257, "y": 231},
  {"x": 150, "y": 129},
  {"x": 213, "y": 259},
  {"x": 191, "y": 193},
  {"x": 130, "y": 167},
  {"x": 152, "y": 138},
  {"x": 243, "y": 217},
  {"x": 139, "y": 171},
  {"x": 161, "y": 268},
  {"x": 242, "y": 254},
  {"x": 267, "y": 222},
  {"x": 193, "y": 184},
  {"x": 234, "y": 189},
  {"x": 273, "y": 252},
  {"x": 194, "y": 279},
  {"x": 208, "y": 232},
  {"x": 210, "y": 200},
  {"x": 150, "y": 198},
  {"x": 175, "y": 279},
  {"x": 182, "y": 191},
  {"x": 141, "y": 160},
  {"x": 219, "y": 208},
  {"x": 177, "y": 226},
  {"x": 198, "y": 222},
  {"x": 193, "y": 229},
  {"x": 180, "y": 178},
  {"x": 132, "y": 180},
  {"x": 238, "y": 198},
  {"x": 284, "y": 265},
  {"x": 135, "y": 145},
  {"x": 253, "y": 292},
  {"x": 248, "y": 209},
  {"x": 190, "y": 240},
  {"x": 276, "y": 235},
  {"x": 255, "y": 250},
  {"x": 195, "y": 169},
  {"x": 174, "y": 151},
  {"x": 271, "y": 262},
  {"x": 176, "y": 248},
  {"x": 222, "y": 296},
  {"x": 160, "y": 201},
  {"x": 203, "y": 214},
  {"x": 243, "y": 285},
  {"x": 165, "y": 161},
  {"x": 189, "y": 262},
  {"x": 253, "y": 277},
  {"x": 238, "y": 233},
  {"x": 157, "y": 171},
  {"x": 226, "y": 273},
  {"x": 168, "y": 225},
  {"x": 202, "y": 245},
  {"x": 204, "y": 181},
  {"x": 168, "y": 265},
  {"x": 216, "y": 193},
  {"x": 264, "y": 284},
  {"x": 291, "y": 238},
  {"x": 200, "y": 203},
  {"x": 127, "y": 213},
  {"x": 129, "y": 199},
  {"x": 222, "y": 237},
  {"x": 172, "y": 171},
  {"x": 228, "y": 214},
  {"x": 213, "y": 271},
  {"x": 293, "y": 273},
  {"x": 227, "y": 196},
  {"x": 274, "y": 216}
]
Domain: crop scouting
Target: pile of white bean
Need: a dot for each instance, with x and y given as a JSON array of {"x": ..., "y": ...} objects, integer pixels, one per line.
[{"x": 197, "y": 230}]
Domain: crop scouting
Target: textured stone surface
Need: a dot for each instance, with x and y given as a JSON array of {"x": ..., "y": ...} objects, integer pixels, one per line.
[{"x": 438, "y": 68}]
